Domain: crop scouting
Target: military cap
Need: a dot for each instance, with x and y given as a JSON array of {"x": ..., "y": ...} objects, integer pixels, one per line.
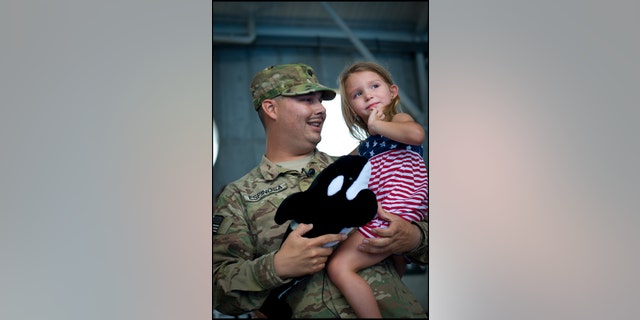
[{"x": 286, "y": 80}]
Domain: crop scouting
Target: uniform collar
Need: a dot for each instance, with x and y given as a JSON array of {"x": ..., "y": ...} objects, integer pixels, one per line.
[{"x": 270, "y": 170}]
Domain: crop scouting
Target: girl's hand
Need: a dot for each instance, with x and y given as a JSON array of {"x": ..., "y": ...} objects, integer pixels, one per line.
[{"x": 375, "y": 117}]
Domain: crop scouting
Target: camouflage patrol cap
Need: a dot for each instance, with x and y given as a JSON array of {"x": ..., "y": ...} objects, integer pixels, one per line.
[{"x": 286, "y": 80}]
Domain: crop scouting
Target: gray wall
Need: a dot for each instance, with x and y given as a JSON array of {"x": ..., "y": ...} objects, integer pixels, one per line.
[{"x": 241, "y": 134}]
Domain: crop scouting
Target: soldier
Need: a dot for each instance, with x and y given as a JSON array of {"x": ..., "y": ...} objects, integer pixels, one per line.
[{"x": 248, "y": 257}]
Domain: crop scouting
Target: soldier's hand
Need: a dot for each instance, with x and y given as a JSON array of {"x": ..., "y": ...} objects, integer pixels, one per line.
[
  {"x": 300, "y": 256},
  {"x": 399, "y": 237}
]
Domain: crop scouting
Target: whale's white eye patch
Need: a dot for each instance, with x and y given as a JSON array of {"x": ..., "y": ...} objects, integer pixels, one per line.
[
  {"x": 335, "y": 185},
  {"x": 361, "y": 183}
]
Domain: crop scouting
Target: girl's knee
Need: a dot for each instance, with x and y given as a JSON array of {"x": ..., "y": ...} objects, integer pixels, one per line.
[
  {"x": 333, "y": 268},
  {"x": 339, "y": 266}
]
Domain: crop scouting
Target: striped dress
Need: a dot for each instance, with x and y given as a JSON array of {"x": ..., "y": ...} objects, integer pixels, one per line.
[{"x": 398, "y": 178}]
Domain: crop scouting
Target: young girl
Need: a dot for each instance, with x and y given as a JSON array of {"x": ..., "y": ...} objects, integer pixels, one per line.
[{"x": 392, "y": 141}]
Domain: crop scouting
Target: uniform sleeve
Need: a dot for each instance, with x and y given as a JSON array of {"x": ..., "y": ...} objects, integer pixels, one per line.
[
  {"x": 420, "y": 255},
  {"x": 241, "y": 278}
]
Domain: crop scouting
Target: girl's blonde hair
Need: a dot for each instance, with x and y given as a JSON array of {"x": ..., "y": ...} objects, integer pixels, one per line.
[{"x": 358, "y": 127}]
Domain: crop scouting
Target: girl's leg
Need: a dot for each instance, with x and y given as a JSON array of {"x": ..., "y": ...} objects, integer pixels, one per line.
[{"x": 343, "y": 266}]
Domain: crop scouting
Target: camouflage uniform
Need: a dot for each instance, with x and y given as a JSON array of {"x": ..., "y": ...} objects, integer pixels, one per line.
[{"x": 245, "y": 239}]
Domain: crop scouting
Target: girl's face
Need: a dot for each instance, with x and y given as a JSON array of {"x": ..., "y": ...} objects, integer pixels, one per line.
[{"x": 366, "y": 91}]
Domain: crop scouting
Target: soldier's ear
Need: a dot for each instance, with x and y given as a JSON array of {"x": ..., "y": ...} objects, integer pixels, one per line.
[{"x": 269, "y": 108}]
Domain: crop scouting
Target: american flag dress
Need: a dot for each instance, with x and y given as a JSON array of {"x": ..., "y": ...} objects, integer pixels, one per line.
[{"x": 398, "y": 178}]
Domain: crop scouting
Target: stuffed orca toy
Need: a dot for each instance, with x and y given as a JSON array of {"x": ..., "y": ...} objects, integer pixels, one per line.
[{"x": 337, "y": 201}]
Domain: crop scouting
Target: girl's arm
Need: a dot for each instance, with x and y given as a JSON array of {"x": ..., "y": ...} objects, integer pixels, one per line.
[{"x": 401, "y": 128}]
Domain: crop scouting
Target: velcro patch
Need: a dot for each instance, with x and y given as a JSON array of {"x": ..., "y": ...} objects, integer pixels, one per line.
[
  {"x": 216, "y": 221},
  {"x": 265, "y": 192}
]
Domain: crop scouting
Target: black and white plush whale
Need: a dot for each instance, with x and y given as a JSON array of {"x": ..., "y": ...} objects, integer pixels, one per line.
[{"x": 337, "y": 201}]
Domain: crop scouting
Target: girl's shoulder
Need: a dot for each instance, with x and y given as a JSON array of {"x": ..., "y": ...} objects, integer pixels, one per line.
[{"x": 402, "y": 117}]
